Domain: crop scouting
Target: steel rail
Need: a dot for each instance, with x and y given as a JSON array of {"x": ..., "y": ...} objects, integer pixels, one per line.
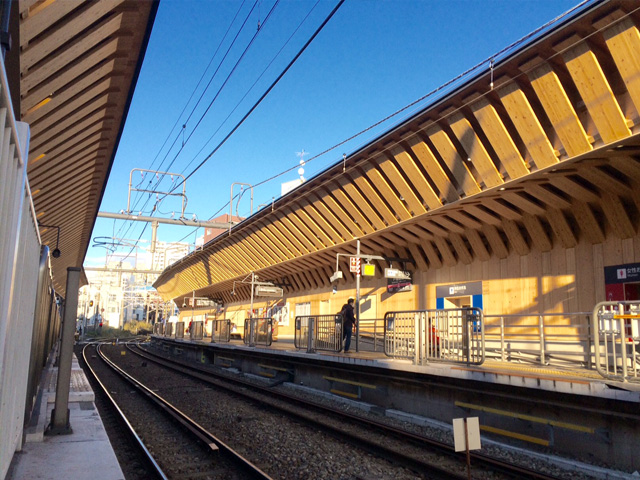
[
  {"x": 210, "y": 440},
  {"x": 155, "y": 468},
  {"x": 481, "y": 460}
]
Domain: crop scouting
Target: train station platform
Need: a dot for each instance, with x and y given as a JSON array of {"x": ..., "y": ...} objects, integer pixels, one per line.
[
  {"x": 573, "y": 380},
  {"x": 76, "y": 456}
]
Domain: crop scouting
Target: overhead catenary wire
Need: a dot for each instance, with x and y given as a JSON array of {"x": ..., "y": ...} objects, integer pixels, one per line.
[
  {"x": 264, "y": 95},
  {"x": 239, "y": 102}
]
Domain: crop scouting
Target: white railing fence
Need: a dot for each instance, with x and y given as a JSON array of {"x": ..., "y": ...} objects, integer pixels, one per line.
[{"x": 19, "y": 266}]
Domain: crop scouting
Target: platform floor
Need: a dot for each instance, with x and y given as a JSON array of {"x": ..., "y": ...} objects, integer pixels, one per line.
[
  {"x": 554, "y": 378},
  {"x": 76, "y": 456}
]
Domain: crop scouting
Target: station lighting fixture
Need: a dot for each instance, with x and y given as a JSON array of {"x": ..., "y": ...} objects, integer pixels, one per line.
[{"x": 56, "y": 252}]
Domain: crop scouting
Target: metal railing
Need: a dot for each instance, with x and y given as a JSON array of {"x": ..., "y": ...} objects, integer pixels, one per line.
[
  {"x": 616, "y": 328},
  {"x": 221, "y": 330},
  {"x": 454, "y": 335},
  {"x": 562, "y": 339},
  {"x": 196, "y": 330},
  {"x": 318, "y": 332},
  {"x": 169, "y": 329},
  {"x": 179, "y": 330},
  {"x": 258, "y": 331},
  {"x": 158, "y": 329}
]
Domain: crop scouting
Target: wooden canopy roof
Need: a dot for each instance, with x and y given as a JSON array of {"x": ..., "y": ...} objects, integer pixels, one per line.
[
  {"x": 548, "y": 155},
  {"x": 78, "y": 64}
]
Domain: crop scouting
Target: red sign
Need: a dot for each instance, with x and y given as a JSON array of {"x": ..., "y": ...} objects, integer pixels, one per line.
[{"x": 354, "y": 265}]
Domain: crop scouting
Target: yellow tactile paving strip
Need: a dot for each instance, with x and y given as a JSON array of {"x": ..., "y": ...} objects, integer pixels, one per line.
[{"x": 502, "y": 368}]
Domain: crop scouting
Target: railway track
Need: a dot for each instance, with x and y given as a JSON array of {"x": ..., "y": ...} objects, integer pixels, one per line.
[
  {"x": 173, "y": 444},
  {"x": 417, "y": 454}
]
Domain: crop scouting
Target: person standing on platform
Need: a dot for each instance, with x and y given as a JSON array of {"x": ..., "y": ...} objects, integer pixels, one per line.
[{"x": 348, "y": 322}]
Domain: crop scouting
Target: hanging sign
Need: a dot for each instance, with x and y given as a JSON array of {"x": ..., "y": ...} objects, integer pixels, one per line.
[{"x": 354, "y": 265}]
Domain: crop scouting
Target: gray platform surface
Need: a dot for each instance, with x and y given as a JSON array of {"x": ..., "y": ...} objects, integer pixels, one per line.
[{"x": 84, "y": 454}]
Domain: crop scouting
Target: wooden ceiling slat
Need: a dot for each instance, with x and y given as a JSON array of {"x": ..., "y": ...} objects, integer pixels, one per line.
[
  {"x": 370, "y": 174},
  {"x": 498, "y": 247},
  {"x": 604, "y": 181},
  {"x": 78, "y": 145},
  {"x": 617, "y": 216},
  {"x": 71, "y": 124},
  {"x": 623, "y": 42},
  {"x": 288, "y": 226},
  {"x": 97, "y": 123},
  {"x": 274, "y": 235},
  {"x": 446, "y": 223},
  {"x": 523, "y": 203},
  {"x": 573, "y": 188},
  {"x": 333, "y": 236},
  {"x": 558, "y": 108},
  {"x": 501, "y": 208},
  {"x": 418, "y": 256},
  {"x": 528, "y": 126},
  {"x": 297, "y": 286},
  {"x": 432, "y": 254},
  {"x": 314, "y": 228},
  {"x": 32, "y": 54},
  {"x": 544, "y": 194},
  {"x": 263, "y": 257},
  {"x": 477, "y": 245},
  {"x": 104, "y": 75},
  {"x": 453, "y": 161},
  {"x": 303, "y": 229},
  {"x": 434, "y": 227},
  {"x": 273, "y": 254},
  {"x": 397, "y": 179},
  {"x": 516, "y": 239},
  {"x": 397, "y": 210},
  {"x": 355, "y": 196},
  {"x": 464, "y": 218},
  {"x": 482, "y": 214},
  {"x": 537, "y": 232},
  {"x": 561, "y": 228},
  {"x": 475, "y": 150},
  {"x": 415, "y": 176},
  {"x": 433, "y": 168},
  {"x": 321, "y": 280},
  {"x": 84, "y": 100},
  {"x": 234, "y": 255},
  {"x": 380, "y": 240},
  {"x": 344, "y": 201},
  {"x": 278, "y": 242},
  {"x": 71, "y": 195},
  {"x": 329, "y": 205},
  {"x": 596, "y": 93},
  {"x": 36, "y": 23},
  {"x": 628, "y": 165},
  {"x": 278, "y": 229},
  {"x": 71, "y": 53},
  {"x": 330, "y": 216},
  {"x": 419, "y": 232},
  {"x": 407, "y": 235},
  {"x": 88, "y": 166},
  {"x": 461, "y": 248},
  {"x": 448, "y": 258},
  {"x": 500, "y": 140}
]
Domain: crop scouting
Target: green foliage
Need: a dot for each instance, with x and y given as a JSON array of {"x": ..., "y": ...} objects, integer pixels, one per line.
[{"x": 135, "y": 327}]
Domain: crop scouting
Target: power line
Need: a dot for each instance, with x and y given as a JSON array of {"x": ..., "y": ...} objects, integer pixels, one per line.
[{"x": 259, "y": 101}]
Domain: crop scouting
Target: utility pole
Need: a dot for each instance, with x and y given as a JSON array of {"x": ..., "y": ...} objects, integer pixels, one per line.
[{"x": 358, "y": 295}]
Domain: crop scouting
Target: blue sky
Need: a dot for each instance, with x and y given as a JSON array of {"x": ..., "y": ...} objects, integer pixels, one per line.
[{"x": 370, "y": 60}]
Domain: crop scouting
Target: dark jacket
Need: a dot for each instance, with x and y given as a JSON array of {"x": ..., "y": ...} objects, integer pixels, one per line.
[{"x": 347, "y": 312}]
